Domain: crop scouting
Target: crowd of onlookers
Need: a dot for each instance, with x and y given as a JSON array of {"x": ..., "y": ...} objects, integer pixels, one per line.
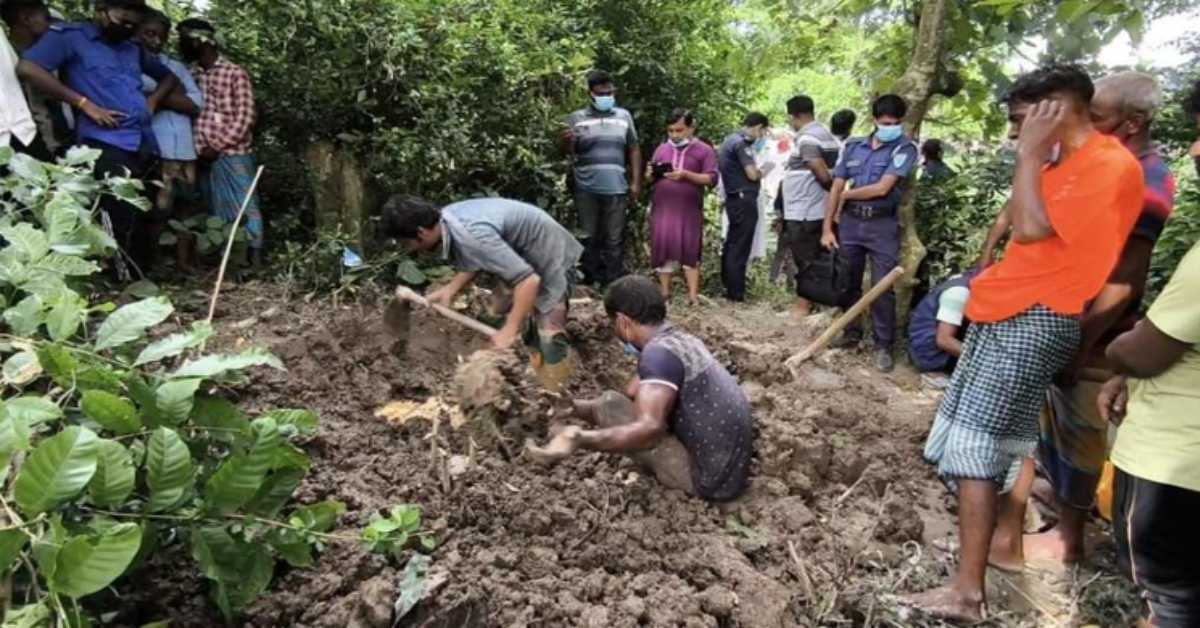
[{"x": 183, "y": 124}]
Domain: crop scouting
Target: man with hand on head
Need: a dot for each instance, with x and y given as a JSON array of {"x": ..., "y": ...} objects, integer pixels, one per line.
[
  {"x": 1025, "y": 310},
  {"x": 683, "y": 417}
]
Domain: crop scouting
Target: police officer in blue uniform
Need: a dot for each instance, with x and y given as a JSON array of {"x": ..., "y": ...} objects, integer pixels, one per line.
[{"x": 879, "y": 168}]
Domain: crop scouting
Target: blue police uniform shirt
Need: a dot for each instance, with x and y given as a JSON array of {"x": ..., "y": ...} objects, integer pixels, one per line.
[
  {"x": 109, "y": 75},
  {"x": 864, "y": 165}
]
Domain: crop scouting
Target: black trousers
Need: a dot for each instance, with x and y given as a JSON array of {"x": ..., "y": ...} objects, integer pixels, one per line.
[
  {"x": 602, "y": 219},
  {"x": 126, "y": 219},
  {"x": 742, "y": 211},
  {"x": 1157, "y": 547}
]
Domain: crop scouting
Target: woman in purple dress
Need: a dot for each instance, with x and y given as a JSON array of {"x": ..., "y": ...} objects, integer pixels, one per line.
[{"x": 681, "y": 169}]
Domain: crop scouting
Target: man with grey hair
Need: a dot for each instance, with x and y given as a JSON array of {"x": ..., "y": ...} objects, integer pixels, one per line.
[{"x": 1074, "y": 437}]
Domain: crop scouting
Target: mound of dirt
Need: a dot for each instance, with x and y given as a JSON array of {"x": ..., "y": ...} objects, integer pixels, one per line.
[{"x": 834, "y": 521}]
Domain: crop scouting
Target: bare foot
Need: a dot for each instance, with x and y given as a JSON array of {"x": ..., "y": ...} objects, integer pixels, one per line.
[
  {"x": 1050, "y": 546},
  {"x": 946, "y": 603},
  {"x": 560, "y": 446}
]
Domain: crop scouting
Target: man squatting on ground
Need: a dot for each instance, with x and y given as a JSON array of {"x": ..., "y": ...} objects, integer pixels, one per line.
[
  {"x": 516, "y": 242},
  {"x": 1074, "y": 437},
  {"x": 683, "y": 417},
  {"x": 1076, "y": 196}
]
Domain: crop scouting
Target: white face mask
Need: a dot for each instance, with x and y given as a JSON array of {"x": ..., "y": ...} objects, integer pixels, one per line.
[{"x": 681, "y": 142}]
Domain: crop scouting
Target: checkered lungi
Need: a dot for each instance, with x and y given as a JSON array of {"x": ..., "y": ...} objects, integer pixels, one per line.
[{"x": 988, "y": 420}]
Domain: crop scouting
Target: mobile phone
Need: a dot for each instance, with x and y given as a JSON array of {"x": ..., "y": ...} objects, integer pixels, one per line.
[{"x": 661, "y": 168}]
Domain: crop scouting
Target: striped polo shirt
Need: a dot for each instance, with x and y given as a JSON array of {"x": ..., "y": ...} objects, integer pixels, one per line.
[{"x": 601, "y": 142}]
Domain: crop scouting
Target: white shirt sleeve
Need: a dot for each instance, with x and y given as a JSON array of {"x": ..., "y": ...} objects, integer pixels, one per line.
[
  {"x": 952, "y": 304},
  {"x": 15, "y": 119}
]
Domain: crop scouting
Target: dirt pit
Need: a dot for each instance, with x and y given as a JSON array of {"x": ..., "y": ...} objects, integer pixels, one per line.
[{"x": 842, "y": 514}]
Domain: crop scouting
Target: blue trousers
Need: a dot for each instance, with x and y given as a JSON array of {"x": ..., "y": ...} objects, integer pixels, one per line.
[{"x": 878, "y": 238}]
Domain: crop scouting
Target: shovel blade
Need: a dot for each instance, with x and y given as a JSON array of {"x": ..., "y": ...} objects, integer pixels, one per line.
[{"x": 396, "y": 317}]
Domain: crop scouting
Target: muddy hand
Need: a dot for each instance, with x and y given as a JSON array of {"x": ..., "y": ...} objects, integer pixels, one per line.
[{"x": 562, "y": 445}]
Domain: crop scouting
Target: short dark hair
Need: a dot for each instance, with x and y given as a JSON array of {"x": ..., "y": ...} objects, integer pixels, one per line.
[
  {"x": 681, "y": 113},
  {"x": 1193, "y": 103},
  {"x": 154, "y": 16},
  {"x": 404, "y": 215},
  {"x": 196, "y": 24},
  {"x": 133, "y": 5},
  {"x": 13, "y": 10},
  {"x": 932, "y": 149},
  {"x": 636, "y": 297},
  {"x": 596, "y": 78},
  {"x": 755, "y": 118},
  {"x": 800, "y": 105},
  {"x": 889, "y": 105},
  {"x": 1042, "y": 82},
  {"x": 842, "y": 122}
]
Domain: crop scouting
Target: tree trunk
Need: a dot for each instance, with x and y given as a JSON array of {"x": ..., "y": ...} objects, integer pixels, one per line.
[{"x": 917, "y": 87}]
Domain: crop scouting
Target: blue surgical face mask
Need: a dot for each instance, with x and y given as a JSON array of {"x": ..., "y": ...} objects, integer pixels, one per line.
[
  {"x": 888, "y": 132},
  {"x": 630, "y": 350},
  {"x": 604, "y": 103}
]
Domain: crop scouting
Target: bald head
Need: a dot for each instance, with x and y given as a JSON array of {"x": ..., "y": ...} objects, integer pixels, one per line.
[{"x": 1125, "y": 104}]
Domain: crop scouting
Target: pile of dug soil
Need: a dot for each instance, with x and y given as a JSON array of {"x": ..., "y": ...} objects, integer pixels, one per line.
[{"x": 840, "y": 515}]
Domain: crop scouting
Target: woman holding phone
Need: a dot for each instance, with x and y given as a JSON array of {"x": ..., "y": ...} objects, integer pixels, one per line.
[{"x": 681, "y": 169}]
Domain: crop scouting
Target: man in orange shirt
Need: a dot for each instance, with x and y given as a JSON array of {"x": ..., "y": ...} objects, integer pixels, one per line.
[{"x": 1076, "y": 195}]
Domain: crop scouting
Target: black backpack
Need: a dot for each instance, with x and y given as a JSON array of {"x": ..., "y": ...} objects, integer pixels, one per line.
[{"x": 826, "y": 280}]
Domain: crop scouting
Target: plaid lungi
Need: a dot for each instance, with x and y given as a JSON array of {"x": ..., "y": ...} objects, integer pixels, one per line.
[{"x": 988, "y": 420}]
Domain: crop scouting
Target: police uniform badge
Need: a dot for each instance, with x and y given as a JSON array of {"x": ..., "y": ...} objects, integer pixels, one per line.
[{"x": 899, "y": 159}]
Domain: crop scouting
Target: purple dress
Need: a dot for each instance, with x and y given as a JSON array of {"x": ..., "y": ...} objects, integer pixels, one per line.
[{"x": 677, "y": 221}]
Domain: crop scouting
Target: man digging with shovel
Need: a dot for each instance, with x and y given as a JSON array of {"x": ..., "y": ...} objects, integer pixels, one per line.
[
  {"x": 683, "y": 417},
  {"x": 518, "y": 243}
]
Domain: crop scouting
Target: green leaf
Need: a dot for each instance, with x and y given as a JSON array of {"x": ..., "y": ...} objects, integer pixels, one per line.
[
  {"x": 168, "y": 469},
  {"x": 175, "y": 344},
  {"x": 410, "y": 273},
  {"x": 300, "y": 422},
  {"x": 147, "y": 401},
  {"x": 59, "y": 364},
  {"x": 57, "y": 470},
  {"x": 214, "y": 365},
  {"x": 175, "y": 399},
  {"x": 90, "y": 563},
  {"x": 143, "y": 289},
  {"x": 223, "y": 420},
  {"x": 168, "y": 238},
  {"x": 82, "y": 156},
  {"x": 319, "y": 517},
  {"x": 26, "y": 241},
  {"x": 240, "y": 477},
  {"x": 25, "y": 317},
  {"x": 14, "y": 434},
  {"x": 214, "y": 222},
  {"x": 130, "y": 322},
  {"x": 67, "y": 265},
  {"x": 21, "y": 368},
  {"x": 110, "y": 411},
  {"x": 275, "y": 492},
  {"x": 289, "y": 456},
  {"x": 33, "y": 410},
  {"x": 412, "y": 585},
  {"x": 241, "y": 571},
  {"x": 65, "y": 317},
  {"x": 31, "y": 616},
  {"x": 114, "y": 479},
  {"x": 292, "y": 547},
  {"x": 12, "y": 542}
]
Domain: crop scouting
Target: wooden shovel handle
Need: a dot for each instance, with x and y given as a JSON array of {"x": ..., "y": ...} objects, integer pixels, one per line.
[
  {"x": 847, "y": 318},
  {"x": 407, "y": 294}
]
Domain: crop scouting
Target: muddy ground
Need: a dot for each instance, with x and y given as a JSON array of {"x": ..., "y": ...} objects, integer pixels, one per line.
[{"x": 842, "y": 514}]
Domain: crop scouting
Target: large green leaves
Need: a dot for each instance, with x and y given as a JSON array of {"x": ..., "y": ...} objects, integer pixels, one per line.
[
  {"x": 241, "y": 476},
  {"x": 175, "y": 344},
  {"x": 25, "y": 317},
  {"x": 57, "y": 470},
  {"x": 215, "y": 365},
  {"x": 113, "y": 482},
  {"x": 89, "y": 563},
  {"x": 112, "y": 412},
  {"x": 169, "y": 469},
  {"x": 130, "y": 322},
  {"x": 11, "y": 544},
  {"x": 240, "y": 571},
  {"x": 33, "y": 410},
  {"x": 175, "y": 399}
]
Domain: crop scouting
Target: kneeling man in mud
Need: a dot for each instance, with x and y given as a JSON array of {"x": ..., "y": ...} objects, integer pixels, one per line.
[
  {"x": 516, "y": 242},
  {"x": 683, "y": 417}
]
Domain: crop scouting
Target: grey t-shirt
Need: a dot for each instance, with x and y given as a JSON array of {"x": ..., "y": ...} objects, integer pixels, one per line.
[
  {"x": 601, "y": 142},
  {"x": 734, "y": 155},
  {"x": 511, "y": 240},
  {"x": 803, "y": 195}
]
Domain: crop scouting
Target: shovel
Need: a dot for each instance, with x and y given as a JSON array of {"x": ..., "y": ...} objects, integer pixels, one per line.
[{"x": 396, "y": 320}]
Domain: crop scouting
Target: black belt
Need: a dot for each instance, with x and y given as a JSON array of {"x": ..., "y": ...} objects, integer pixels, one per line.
[{"x": 868, "y": 212}]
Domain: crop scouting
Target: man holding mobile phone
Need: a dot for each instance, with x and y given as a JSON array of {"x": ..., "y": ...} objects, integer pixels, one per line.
[{"x": 103, "y": 67}]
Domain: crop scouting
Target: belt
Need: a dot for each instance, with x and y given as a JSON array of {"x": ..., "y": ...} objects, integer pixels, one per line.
[{"x": 869, "y": 212}]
